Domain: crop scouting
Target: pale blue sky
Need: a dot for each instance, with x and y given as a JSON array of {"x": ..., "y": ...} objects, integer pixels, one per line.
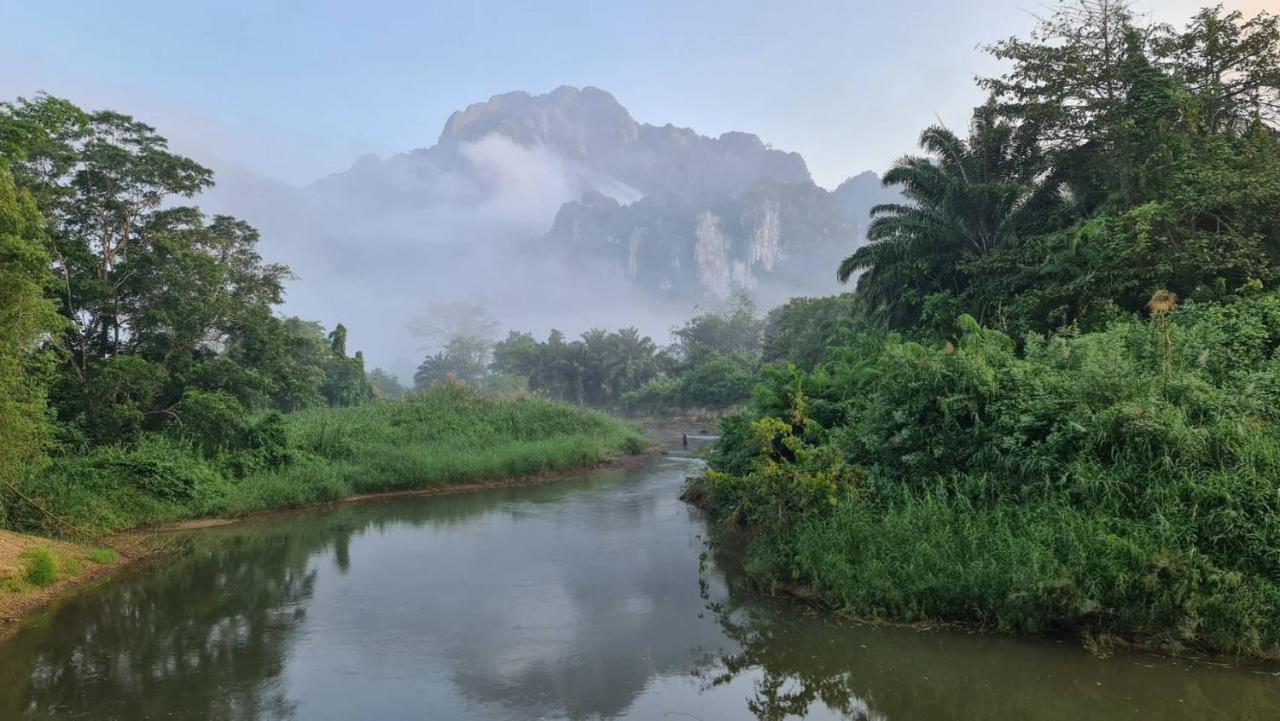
[{"x": 299, "y": 89}]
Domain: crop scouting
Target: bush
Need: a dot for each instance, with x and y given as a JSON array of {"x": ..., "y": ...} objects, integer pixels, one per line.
[
  {"x": 40, "y": 570},
  {"x": 101, "y": 555},
  {"x": 1112, "y": 483},
  {"x": 212, "y": 421}
]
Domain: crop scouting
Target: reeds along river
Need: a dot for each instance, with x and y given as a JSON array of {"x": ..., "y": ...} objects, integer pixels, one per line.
[{"x": 578, "y": 599}]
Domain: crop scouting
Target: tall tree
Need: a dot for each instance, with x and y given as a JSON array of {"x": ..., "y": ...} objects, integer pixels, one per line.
[
  {"x": 1231, "y": 64},
  {"x": 26, "y": 317},
  {"x": 966, "y": 198},
  {"x": 631, "y": 361}
]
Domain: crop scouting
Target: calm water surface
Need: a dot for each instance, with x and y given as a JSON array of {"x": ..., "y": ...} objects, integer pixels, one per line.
[{"x": 577, "y": 600}]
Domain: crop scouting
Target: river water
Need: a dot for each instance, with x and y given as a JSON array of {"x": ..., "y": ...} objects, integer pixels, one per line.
[{"x": 579, "y": 599}]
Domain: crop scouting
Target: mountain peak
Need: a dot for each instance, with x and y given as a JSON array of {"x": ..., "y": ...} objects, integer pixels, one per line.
[{"x": 574, "y": 121}]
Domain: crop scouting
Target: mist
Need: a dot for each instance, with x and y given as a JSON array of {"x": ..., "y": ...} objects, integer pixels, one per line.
[{"x": 469, "y": 219}]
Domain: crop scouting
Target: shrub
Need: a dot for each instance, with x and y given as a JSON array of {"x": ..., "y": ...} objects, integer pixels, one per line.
[
  {"x": 1116, "y": 482},
  {"x": 101, "y": 555},
  {"x": 40, "y": 569}
]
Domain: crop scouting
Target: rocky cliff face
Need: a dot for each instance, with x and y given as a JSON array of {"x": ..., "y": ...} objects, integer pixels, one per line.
[
  {"x": 771, "y": 240},
  {"x": 591, "y": 128},
  {"x": 588, "y": 132},
  {"x": 553, "y": 206}
]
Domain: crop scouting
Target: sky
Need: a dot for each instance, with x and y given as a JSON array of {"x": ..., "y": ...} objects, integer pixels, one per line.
[
  {"x": 298, "y": 90},
  {"x": 295, "y": 91}
]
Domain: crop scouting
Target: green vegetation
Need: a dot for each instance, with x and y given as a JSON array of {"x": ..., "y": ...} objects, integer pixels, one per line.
[
  {"x": 144, "y": 376},
  {"x": 101, "y": 555},
  {"x": 450, "y": 434},
  {"x": 25, "y": 314},
  {"x": 711, "y": 364},
  {"x": 1081, "y": 452},
  {"x": 40, "y": 568},
  {"x": 31, "y": 563}
]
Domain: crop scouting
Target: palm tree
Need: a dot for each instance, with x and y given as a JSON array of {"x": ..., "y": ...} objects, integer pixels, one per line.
[
  {"x": 966, "y": 199},
  {"x": 632, "y": 361},
  {"x": 595, "y": 359}
]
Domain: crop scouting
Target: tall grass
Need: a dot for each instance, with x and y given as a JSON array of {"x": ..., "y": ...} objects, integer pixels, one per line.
[
  {"x": 448, "y": 435},
  {"x": 1122, "y": 484}
]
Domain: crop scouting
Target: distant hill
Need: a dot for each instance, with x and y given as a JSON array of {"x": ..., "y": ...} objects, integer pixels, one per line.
[{"x": 554, "y": 208}]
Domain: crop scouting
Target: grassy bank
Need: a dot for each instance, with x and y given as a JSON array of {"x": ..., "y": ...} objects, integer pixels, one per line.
[
  {"x": 1121, "y": 486},
  {"x": 34, "y": 569},
  {"x": 448, "y": 435}
]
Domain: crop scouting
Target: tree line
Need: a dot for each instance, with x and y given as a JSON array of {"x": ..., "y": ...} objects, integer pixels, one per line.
[
  {"x": 125, "y": 310},
  {"x": 711, "y": 361},
  {"x": 1114, "y": 158}
]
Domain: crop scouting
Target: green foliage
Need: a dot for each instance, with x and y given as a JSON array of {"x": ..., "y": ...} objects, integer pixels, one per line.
[
  {"x": 101, "y": 556},
  {"x": 211, "y": 421},
  {"x": 164, "y": 313},
  {"x": 967, "y": 199},
  {"x": 386, "y": 386},
  {"x": 464, "y": 359},
  {"x": 801, "y": 330},
  {"x": 1117, "y": 482},
  {"x": 1111, "y": 477},
  {"x": 1113, "y": 160},
  {"x": 598, "y": 370},
  {"x": 732, "y": 328},
  {"x": 713, "y": 362},
  {"x": 449, "y": 434},
  {"x": 40, "y": 568},
  {"x": 25, "y": 316}
]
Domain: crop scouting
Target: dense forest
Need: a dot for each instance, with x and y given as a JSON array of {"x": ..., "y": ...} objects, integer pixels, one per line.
[{"x": 1050, "y": 404}]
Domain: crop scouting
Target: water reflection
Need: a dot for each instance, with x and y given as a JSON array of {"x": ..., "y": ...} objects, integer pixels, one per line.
[
  {"x": 207, "y": 636},
  {"x": 576, "y": 600},
  {"x": 808, "y": 665},
  {"x": 560, "y": 601}
]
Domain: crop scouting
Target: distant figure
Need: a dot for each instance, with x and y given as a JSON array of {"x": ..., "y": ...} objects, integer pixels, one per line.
[{"x": 684, "y": 439}]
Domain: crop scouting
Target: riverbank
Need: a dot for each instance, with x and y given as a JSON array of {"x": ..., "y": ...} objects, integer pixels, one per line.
[
  {"x": 34, "y": 570},
  {"x": 77, "y": 565},
  {"x": 1116, "y": 487},
  {"x": 447, "y": 435},
  {"x": 345, "y": 609},
  {"x": 68, "y": 522}
]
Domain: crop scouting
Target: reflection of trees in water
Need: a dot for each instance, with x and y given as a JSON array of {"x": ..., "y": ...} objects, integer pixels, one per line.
[
  {"x": 208, "y": 634},
  {"x": 205, "y": 635},
  {"x": 804, "y": 660},
  {"x": 791, "y": 682},
  {"x": 615, "y": 625}
]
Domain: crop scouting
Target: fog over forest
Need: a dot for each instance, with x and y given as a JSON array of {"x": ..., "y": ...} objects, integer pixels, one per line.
[{"x": 553, "y": 211}]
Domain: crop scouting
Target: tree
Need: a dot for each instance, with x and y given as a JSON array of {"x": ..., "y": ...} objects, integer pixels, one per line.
[
  {"x": 101, "y": 178},
  {"x": 1066, "y": 77},
  {"x": 631, "y": 361},
  {"x": 731, "y": 328},
  {"x": 26, "y": 318},
  {"x": 1231, "y": 64},
  {"x": 386, "y": 385},
  {"x": 801, "y": 330},
  {"x": 462, "y": 334},
  {"x": 463, "y": 359},
  {"x": 338, "y": 341},
  {"x": 1170, "y": 175},
  {"x": 967, "y": 197}
]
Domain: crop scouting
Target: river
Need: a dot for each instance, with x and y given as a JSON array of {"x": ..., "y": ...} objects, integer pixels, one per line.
[{"x": 579, "y": 599}]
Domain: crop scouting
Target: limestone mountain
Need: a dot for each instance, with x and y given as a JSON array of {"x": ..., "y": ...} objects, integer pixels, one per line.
[{"x": 554, "y": 205}]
